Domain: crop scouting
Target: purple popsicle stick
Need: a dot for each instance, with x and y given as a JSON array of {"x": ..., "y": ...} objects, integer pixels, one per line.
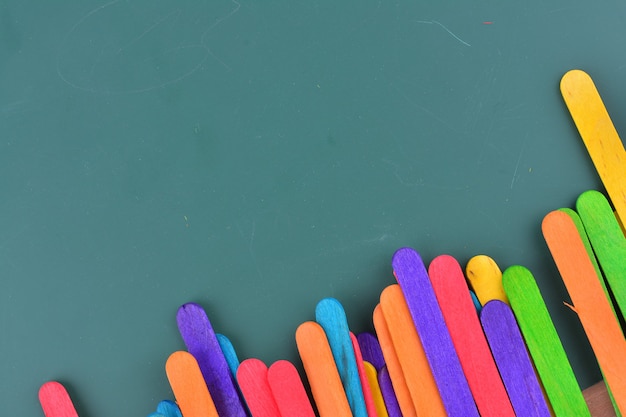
[
  {"x": 198, "y": 335},
  {"x": 370, "y": 349},
  {"x": 509, "y": 351},
  {"x": 411, "y": 274},
  {"x": 389, "y": 395}
]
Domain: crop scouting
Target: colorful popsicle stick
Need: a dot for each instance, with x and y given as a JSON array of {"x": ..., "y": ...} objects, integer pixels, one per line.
[
  {"x": 607, "y": 240},
  {"x": 201, "y": 342},
  {"x": 55, "y": 401},
  {"x": 543, "y": 343},
  {"x": 485, "y": 279},
  {"x": 329, "y": 314},
  {"x": 377, "y": 396},
  {"x": 411, "y": 274},
  {"x": 254, "y": 385},
  {"x": 599, "y": 135},
  {"x": 590, "y": 302},
  {"x": 370, "y": 349},
  {"x": 388, "y": 393},
  {"x": 168, "y": 409},
  {"x": 367, "y": 392},
  {"x": 321, "y": 371},
  {"x": 393, "y": 368},
  {"x": 408, "y": 347},
  {"x": 514, "y": 364},
  {"x": 288, "y": 390},
  {"x": 188, "y": 386},
  {"x": 229, "y": 353},
  {"x": 469, "y": 340}
]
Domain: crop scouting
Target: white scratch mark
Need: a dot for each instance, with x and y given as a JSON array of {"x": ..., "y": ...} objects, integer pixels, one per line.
[
  {"x": 430, "y": 22},
  {"x": 519, "y": 159}
]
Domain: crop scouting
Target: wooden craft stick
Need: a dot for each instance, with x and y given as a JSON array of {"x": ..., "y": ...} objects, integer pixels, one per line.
[
  {"x": 387, "y": 391},
  {"x": 55, "y": 401},
  {"x": 288, "y": 390},
  {"x": 418, "y": 292},
  {"x": 168, "y": 408},
  {"x": 590, "y": 303},
  {"x": 228, "y": 350},
  {"x": 469, "y": 340},
  {"x": 543, "y": 343},
  {"x": 367, "y": 392},
  {"x": 188, "y": 386},
  {"x": 198, "y": 335},
  {"x": 393, "y": 369},
  {"x": 319, "y": 365},
  {"x": 477, "y": 305},
  {"x": 408, "y": 347},
  {"x": 370, "y": 349},
  {"x": 514, "y": 364},
  {"x": 608, "y": 241},
  {"x": 485, "y": 279},
  {"x": 329, "y": 314},
  {"x": 377, "y": 395},
  {"x": 599, "y": 401},
  {"x": 598, "y": 133},
  {"x": 254, "y": 385}
]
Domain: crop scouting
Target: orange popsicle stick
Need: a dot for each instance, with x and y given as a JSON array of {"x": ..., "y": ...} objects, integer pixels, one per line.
[
  {"x": 417, "y": 375},
  {"x": 590, "y": 303},
  {"x": 190, "y": 390},
  {"x": 321, "y": 371},
  {"x": 403, "y": 395}
]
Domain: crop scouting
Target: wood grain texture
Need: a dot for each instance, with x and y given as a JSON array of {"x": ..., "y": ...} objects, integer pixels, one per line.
[
  {"x": 590, "y": 302},
  {"x": 370, "y": 349},
  {"x": 254, "y": 385},
  {"x": 319, "y": 365},
  {"x": 599, "y": 401},
  {"x": 411, "y": 356},
  {"x": 468, "y": 338},
  {"x": 393, "y": 369},
  {"x": 377, "y": 395},
  {"x": 387, "y": 391},
  {"x": 188, "y": 386},
  {"x": 514, "y": 364},
  {"x": 543, "y": 342},
  {"x": 329, "y": 314},
  {"x": 485, "y": 278},
  {"x": 367, "y": 392},
  {"x": 411, "y": 274},
  {"x": 598, "y": 133},
  {"x": 607, "y": 240},
  {"x": 201, "y": 341},
  {"x": 288, "y": 390},
  {"x": 55, "y": 401}
]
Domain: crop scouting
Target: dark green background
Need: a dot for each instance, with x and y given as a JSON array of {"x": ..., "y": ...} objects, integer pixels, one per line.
[{"x": 256, "y": 157}]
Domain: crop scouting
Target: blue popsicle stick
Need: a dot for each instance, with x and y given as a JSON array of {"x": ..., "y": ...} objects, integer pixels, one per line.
[{"x": 330, "y": 314}]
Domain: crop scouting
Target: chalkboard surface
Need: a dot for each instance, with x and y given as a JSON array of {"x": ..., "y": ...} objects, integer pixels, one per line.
[{"x": 255, "y": 157}]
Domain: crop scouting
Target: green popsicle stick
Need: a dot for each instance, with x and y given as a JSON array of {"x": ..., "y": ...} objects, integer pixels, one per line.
[{"x": 544, "y": 343}]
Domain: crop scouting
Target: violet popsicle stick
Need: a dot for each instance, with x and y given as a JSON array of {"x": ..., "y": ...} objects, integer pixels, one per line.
[
  {"x": 389, "y": 395},
  {"x": 370, "y": 349},
  {"x": 509, "y": 351},
  {"x": 201, "y": 342},
  {"x": 411, "y": 274}
]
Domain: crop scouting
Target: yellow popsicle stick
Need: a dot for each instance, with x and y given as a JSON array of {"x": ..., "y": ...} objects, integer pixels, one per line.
[
  {"x": 599, "y": 135},
  {"x": 377, "y": 395},
  {"x": 485, "y": 278}
]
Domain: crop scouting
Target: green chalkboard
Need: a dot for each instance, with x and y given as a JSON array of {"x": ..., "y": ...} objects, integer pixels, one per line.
[{"x": 257, "y": 156}]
